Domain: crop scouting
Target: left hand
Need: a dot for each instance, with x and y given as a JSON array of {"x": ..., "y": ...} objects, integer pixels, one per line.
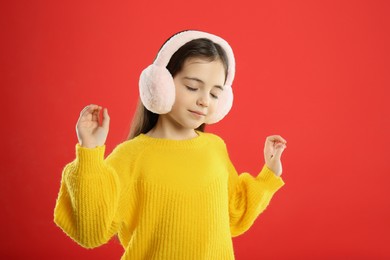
[{"x": 273, "y": 149}]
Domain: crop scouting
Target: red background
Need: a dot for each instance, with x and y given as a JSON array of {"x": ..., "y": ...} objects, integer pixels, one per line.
[{"x": 315, "y": 72}]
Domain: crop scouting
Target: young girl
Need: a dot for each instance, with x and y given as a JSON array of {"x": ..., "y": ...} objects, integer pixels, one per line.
[{"x": 170, "y": 191}]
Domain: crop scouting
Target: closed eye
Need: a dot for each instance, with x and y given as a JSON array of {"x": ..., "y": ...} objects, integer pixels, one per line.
[
  {"x": 191, "y": 89},
  {"x": 214, "y": 96}
]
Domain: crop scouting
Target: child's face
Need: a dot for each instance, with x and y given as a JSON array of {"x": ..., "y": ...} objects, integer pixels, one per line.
[{"x": 198, "y": 86}]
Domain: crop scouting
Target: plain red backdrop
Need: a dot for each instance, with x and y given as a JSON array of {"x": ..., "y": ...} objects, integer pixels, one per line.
[{"x": 315, "y": 72}]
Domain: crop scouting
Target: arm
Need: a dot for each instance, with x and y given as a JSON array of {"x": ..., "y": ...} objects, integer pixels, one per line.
[
  {"x": 249, "y": 196},
  {"x": 87, "y": 204}
]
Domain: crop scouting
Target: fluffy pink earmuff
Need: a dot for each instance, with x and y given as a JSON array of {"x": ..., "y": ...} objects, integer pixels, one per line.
[{"x": 156, "y": 85}]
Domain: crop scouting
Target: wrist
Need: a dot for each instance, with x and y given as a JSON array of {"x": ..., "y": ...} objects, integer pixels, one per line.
[
  {"x": 275, "y": 169},
  {"x": 89, "y": 145}
]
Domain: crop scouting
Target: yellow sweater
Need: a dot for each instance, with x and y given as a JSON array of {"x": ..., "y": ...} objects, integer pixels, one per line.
[{"x": 165, "y": 199}]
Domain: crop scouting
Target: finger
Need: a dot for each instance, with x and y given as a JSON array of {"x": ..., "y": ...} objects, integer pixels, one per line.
[
  {"x": 88, "y": 110},
  {"x": 106, "y": 119},
  {"x": 85, "y": 109},
  {"x": 276, "y": 138},
  {"x": 96, "y": 115}
]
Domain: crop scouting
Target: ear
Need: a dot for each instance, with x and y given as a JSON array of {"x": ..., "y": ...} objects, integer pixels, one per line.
[
  {"x": 225, "y": 103},
  {"x": 157, "y": 89}
]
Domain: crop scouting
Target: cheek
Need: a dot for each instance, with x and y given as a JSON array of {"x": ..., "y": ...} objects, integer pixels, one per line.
[
  {"x": 213, "y": 106},
  {"x": 180, "y": 98}
]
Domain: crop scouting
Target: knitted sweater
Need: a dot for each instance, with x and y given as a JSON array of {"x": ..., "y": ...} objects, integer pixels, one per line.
[{"x": 165, "y": 199}]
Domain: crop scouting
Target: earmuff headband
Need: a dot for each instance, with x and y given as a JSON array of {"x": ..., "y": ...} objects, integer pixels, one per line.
[{"x": 179, "y": 39}]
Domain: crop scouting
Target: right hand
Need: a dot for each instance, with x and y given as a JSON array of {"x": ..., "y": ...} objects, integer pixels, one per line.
[{"x": 89, "y": 131}]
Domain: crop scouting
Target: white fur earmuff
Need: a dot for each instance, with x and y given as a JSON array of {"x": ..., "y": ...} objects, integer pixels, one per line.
[{"x": 156, "y": 85}]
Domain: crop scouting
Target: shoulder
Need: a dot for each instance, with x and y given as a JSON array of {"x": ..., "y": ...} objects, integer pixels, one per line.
[
  {"x": 213, "y": 138},
  {"x": 129, "y": 147}
]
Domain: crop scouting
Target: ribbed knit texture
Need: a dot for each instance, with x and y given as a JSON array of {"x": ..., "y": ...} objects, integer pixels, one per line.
[{"x": 165, "y": 199}]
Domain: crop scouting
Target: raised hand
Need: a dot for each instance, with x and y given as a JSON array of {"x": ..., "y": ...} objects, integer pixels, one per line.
[
  {"x": 273, "y": 149},
  {"x": 90, "y": 132}
]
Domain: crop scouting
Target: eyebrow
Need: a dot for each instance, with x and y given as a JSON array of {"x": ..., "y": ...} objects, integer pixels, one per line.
[{"x": 202, "y": 82}]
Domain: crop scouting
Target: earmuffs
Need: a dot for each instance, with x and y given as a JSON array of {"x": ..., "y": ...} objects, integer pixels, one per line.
[{"x": 156, "y": 85}]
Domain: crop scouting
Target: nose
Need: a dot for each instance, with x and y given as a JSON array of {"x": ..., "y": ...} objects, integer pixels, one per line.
[{"x": 203, "y": 100}]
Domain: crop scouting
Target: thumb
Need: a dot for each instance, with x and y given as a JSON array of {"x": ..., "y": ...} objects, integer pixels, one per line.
[{"x": 106, "y": 119}]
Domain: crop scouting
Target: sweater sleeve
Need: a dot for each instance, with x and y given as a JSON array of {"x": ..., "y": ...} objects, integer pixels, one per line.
[
  {"x": 249, "y": 196},
  {"x": 87, "y": 205}
]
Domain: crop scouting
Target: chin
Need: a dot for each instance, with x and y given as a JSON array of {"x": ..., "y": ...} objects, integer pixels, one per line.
[{"x": 195, "y": 126}]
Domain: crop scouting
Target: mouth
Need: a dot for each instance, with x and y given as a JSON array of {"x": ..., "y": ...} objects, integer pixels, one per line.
[{"x": 197, "y": 113}]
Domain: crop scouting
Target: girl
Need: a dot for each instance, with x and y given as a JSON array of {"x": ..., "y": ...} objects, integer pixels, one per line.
[{"x": 170, "y": 191}]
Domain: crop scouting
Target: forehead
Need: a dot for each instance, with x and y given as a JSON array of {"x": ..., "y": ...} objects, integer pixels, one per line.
[
  {"x": 205, "y": 69},
  {"x": 201, "y": 60}
]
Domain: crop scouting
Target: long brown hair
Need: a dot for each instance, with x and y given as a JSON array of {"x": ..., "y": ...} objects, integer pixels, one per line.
[{"x": 144, "y": 120}]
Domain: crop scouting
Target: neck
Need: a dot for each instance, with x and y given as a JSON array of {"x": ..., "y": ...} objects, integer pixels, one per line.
[{"x": 164, "y": 129}]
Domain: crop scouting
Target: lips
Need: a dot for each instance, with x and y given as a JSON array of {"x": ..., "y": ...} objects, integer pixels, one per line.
[{"x": 197, "y": 112}]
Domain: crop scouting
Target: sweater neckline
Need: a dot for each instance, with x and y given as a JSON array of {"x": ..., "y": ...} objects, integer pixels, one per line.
[{"x": 195, "y": 141}]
